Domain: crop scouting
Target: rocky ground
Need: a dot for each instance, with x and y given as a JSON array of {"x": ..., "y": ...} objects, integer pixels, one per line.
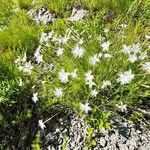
[{"x": 124, "y": 135}]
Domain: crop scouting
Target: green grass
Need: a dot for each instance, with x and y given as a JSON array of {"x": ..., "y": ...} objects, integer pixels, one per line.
[{"x": 21, "y": 34}]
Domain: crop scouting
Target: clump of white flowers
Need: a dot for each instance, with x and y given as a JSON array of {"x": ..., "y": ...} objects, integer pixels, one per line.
[
  {"x": 38, "y": 56},
  {"x": 24, "y": 65},
  {"x": 45, "y": 37},
  {"x": 125, "y": 77},
  {"x": 89, "y": 79},
  {"x": 105, "y": 48},
  {"x": 134, "y": 52}
]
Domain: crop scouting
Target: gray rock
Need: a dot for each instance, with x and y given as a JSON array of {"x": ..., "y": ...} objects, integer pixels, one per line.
[
  {"x": 143, "y": 148},
  {"x": 131, "y": 147},
  {"x": 112, "y": 147},
  {"x": 114, "y": 138},
  {"x": 107, "y": 137},
  {"x": 148, "y": 145},
  {"x": 132, "y": 142},
  {"x": 105, "y": 148},
  {"x": 102, "y": 141},
  {"x": 122, "y": 139},
  {"x": 123, "y": 147},
  {"x": 144, "y": 139},
  {"x": 138, "y": 131},
  {"x": 122, "y": 136}
]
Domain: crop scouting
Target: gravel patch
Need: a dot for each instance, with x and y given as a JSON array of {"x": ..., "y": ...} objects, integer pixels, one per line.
[
  {"x": 41, "y": 15},
  {"x": 124, "y": 135}
]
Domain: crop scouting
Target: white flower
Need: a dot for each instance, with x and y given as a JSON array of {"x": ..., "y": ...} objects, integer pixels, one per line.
[
  {"x": 106, "y": 30},
  {"x": 122, "y": 107},
  {"x": 41, "y": 124},
  {"x": 94, "y": 59},
  {"x": 77, "y": 14},
  {"x": 146, "y": 66},
  {"x": 89, "y": 76},
  {"x": 105, "y": 84},
  {"x": 26, "y": 68},
  {"x": 46, "y": 36},
  {"x": 35, "y": 97},
  {"x": 136, "y": 48},
  {"x": 143, "y": 55},
  {"x": 78, "y": 51},
  {"x": 100, "y": 38},
  {"x": 65, "y": 39},
  {"x": 74, "y": 73},
  {"x": 59, "y": 51},
  {"x": 63, "y": 76},
  {"x": 89, "y": 79},
  {"x": 107, "y": 55},
  {"x": 85, "y": 107},
  {"x": 58, "y": 92},
  {"x": 126, "y": 77},
  {"x": 123, "y": 26},
  {"x": 94, "y": 93},
  {"x": 90, "y": 83},
  {"x": 126, "y": 49},
  {"x": 132, "y": 58},
  {"x": 61, "y": 39},
  {"x": 105, "y": 46},
  {"x": 38, "y": 56}
]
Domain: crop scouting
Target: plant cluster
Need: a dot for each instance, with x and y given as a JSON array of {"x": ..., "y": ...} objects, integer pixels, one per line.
[{"x": 93, "y": 59}]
